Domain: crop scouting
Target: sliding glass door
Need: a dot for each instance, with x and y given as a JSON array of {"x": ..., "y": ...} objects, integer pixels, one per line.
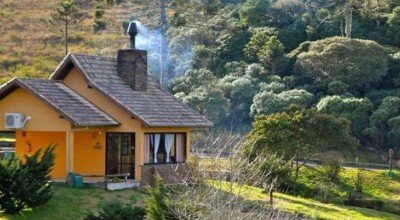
[{"x": 120, "y": 153}]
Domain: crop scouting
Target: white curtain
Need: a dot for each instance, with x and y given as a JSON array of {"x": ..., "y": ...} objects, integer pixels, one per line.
[
  {"x": 168, "y": 145},
  {"x": 155, "y": 140}
]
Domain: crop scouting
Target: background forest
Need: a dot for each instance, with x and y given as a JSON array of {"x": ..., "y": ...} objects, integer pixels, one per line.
[{"x": 232, "y": 60}]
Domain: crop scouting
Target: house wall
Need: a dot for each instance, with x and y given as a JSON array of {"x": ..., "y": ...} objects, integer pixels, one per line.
[
  {"x": 89, "y": 152},
  {"x": 40, "y": 140},
  {"x": 44, "y": 128},
  {"x": 43, "y": 117},
  {"x": 76, "y": 81}
]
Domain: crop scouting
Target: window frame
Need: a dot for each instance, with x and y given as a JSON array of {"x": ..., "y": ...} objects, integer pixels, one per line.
[{"x": 185, "y": 134}]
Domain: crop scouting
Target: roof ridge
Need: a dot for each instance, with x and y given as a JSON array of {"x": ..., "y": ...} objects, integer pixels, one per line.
[{"x": 93, "y": 55}]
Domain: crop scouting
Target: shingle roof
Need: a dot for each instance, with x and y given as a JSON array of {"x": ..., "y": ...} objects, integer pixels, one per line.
[
  {"x": 155, "y": 107},
  {"x": 63, "y": 100}
]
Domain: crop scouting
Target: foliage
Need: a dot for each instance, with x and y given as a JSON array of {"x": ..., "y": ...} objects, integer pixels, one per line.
[
  {"x": 258, "y": 39},
  {"x": 254, "y": 12},
  {"x": 116, "y": 209},
  {"x": 26, "y": 185},
  {"x": 364, "y": 203},
  {"x": 158, "y": 204},
  {"x": 237, "y": 47},
  {"x": 272, "y": 55},
  {"x": 209, "y": 101},
  {"x": 99, "y": 23},
  {"x": 353, "y": 109},
  {"x": 383, "y": 128},
  {"x": 270, "y": 171},
  {"x": 267, "y": 102},
  {"x": 67, "y": 13},
  {"x": 191, "y": 80},
  {"x": 299, "y": 133},
  {"x": 343, "y": 59},
  {"x": 394, "y": 23},
  {"x": 359, "y": 182},
  {"x": 332, "y": 163}
]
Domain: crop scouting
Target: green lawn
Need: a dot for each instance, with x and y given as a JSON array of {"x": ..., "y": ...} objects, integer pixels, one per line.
[
  {"x": 377, "y": 185},
  {"x": 72, "y": 203},
  {"x": 306, "y": 207}
]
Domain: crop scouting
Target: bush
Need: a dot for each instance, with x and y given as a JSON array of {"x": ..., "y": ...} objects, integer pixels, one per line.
[
  {"x": 355, "y": 199},
  {"x": 359, "y": 182},
  {"x": 324, "y": 191},
  {"x": 157, "y": 206},
  {"x": 26, "y": 185},
  {"x": 116, "y": 210},
  {"x": 332, "y": 164}
]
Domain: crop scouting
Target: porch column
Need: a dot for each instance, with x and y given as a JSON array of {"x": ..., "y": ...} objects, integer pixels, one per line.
[
  {"x": 187, "y": 146},
  {"x": 139, "y": 154},
  {"x": 70, "y": 151}
]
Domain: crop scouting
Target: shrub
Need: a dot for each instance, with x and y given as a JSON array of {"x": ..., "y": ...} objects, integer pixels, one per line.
[
  {"x": 332, "y": 164},
  {"x": 26, "y": 185},
  {"x": 116, "y": 210},
  {"x": 359, "y": 182},
  {"x": 157, "y": 206},
  {"x": 355, "y": 199},
  {"x": 324, "y": 191}
]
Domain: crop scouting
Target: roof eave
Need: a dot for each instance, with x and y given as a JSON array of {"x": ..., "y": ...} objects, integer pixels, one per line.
[
  {"x": 22, "y": 85},
  {"x": 97, "y": 125}
]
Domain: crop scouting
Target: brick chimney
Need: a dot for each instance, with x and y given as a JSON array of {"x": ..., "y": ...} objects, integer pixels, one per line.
[{"x": 132, "y": 63}]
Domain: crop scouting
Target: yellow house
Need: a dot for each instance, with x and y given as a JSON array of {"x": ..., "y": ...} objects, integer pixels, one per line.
[{"x": 106, "y": 115}]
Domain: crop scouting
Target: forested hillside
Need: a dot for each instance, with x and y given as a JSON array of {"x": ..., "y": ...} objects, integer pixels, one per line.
[{"x": 232, "y": 60}]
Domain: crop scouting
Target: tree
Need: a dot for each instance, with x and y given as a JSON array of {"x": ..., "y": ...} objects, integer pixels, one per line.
[
  {"x": 272, "y": 55},
  {"x": 267, "y": 102},
  {"x": 300, "y": 134},
  {"x": 354, "y": 62},
  {"x": 394, "y": 23},
  {"x": 66, "y": 12},
  {"x": 209, "y": 101},
  {"x": 99, "y": 23},
  {"x": 158, "y": 203},
  {"x": 257, "y": 41},
  {"x": 26, "y": 185},
  {"x": 356, "y": 110},
  {"x": 384, "y": 127},
  {"x": 240, "y": 92},
  {"x": 191, "y": 80},
  {"x": 255, "y": 12}
]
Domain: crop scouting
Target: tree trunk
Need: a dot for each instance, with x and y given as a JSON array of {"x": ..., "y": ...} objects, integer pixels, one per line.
[
  {"x": 163, "y": 44},
  {"x": 66, "y": 35},
  {"x": 271, "y": 198},
  {"x": 297, "y": 167},
  {"x": 348, "y": 16}
]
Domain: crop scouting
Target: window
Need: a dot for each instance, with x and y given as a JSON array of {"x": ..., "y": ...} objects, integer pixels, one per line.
[{"x": 164, "y": 148}]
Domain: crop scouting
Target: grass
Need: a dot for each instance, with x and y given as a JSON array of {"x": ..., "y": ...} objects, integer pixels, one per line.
[
  {"x": 73, "y": 203},
  {"x": 7, "y": 137},
  {"x": 23, "y": 53},
  {"x": 302, "y": 206},
  {"x": 377, "y": 185}
]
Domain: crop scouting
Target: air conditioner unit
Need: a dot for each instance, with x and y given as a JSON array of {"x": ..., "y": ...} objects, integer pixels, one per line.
[{"x": 15, "y": 120}]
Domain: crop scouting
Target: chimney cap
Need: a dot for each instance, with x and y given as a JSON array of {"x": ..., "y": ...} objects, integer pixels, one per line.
[{"x": 132, "y": 28}]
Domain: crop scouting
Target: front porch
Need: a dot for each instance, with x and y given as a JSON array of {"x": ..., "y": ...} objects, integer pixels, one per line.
[{"x": 97, "y": 152}]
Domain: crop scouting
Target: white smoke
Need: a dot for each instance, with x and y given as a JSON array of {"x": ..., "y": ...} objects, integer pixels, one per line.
[{"x": 149, "y": 40}]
